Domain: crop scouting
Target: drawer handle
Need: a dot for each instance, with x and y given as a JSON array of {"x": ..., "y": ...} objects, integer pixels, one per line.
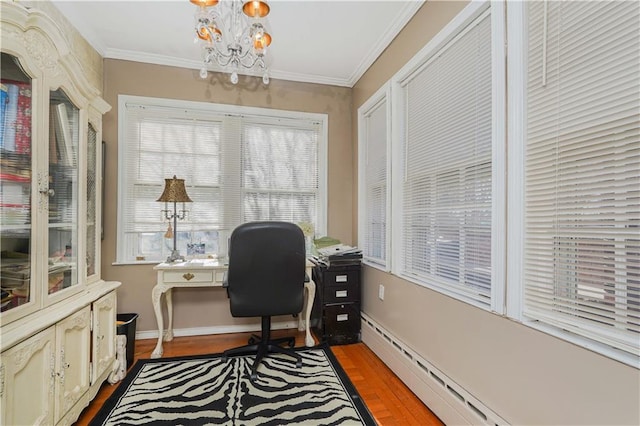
[
  {"x": 188, "y": 276},
  {"x": 341, "y": 293},
  {"x": 341, "y": 278}
]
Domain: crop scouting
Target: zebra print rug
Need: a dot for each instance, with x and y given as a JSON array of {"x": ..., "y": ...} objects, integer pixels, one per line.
[{"x": 207, "y": 390}]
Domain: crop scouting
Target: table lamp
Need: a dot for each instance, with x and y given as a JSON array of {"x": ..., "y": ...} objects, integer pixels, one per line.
[{"x": 174, "y": 192}]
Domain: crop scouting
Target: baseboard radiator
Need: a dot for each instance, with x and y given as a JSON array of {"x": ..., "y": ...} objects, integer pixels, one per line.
[{"x": 449, "y": 401}]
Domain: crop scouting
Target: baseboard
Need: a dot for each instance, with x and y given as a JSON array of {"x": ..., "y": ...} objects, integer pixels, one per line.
[
  {"x": 199, "y": 331},
  {"x": 449, "y": 401}
]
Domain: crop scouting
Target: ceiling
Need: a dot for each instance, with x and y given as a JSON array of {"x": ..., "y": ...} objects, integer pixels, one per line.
[{"x": 318, "y": 41}]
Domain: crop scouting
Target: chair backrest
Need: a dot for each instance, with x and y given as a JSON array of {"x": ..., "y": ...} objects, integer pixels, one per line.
[{"x": 266, "y": 269}]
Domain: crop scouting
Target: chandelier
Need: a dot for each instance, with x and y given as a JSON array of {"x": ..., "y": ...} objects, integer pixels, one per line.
[{"x": 232, "y": 35}]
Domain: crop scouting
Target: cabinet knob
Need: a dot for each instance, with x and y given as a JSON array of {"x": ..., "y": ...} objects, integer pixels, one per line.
[
  {"x": 188, "y": 276},
  {"x": 50, "y": 192}
]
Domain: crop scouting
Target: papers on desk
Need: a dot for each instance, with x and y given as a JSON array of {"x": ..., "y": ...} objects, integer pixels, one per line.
[{"x": 340, "y": 252}]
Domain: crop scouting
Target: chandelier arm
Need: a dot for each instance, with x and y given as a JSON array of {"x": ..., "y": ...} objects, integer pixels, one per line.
[
  {"x": 255, "y": 60},
  {"x": 221, "y": 59}
]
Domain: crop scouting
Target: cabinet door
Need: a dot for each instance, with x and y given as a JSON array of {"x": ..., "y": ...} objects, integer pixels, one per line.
[
  {"x": 16, "y": 182},
  {"x": 92, "y": 213},
  {"x": 27, "y": 373},
  {"x": 104, "y": 335},
  {"x": 64, "y": 137},
  {"x": 73, "y": 347}
]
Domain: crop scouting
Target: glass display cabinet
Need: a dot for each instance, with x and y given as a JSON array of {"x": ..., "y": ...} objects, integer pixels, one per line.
[{"x": 58, "y": 316}]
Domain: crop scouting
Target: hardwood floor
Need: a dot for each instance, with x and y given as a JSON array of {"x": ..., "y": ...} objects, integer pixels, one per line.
[{"x": 388, "y": 399}]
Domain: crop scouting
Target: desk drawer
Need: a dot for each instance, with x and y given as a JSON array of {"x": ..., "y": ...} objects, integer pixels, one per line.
[
  {"x": 188, "y": 277},
  {"x": 342, "y": 293}
]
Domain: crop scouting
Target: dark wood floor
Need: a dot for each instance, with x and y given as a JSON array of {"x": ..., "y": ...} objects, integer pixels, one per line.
[{"x": 388, "y": 399}]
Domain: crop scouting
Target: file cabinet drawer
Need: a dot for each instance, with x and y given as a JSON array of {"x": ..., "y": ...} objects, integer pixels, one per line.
[
  {"x": 342, "y": 293},
  {"x": 341, "y": 278},
  {"x": 341, "y": 322}
]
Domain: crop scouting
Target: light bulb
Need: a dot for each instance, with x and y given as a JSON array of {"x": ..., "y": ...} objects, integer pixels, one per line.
[
  {"x": 234, "y": 77},
  {"x": 203, "y": 73}
]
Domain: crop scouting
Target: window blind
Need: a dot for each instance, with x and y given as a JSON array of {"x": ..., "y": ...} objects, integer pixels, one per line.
[
  {"x": 237, "y": 168},
  {"x": 582, "y": 211},
  {"x": 373, "y": 145},
  {"x": 280, "y": 170},
  {"x": 446, "y": 201}
]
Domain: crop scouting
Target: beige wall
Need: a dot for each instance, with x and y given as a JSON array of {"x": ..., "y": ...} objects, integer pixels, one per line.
[
  {"x": 210, "y": 307},
  {"x": 525, "y": 376}
]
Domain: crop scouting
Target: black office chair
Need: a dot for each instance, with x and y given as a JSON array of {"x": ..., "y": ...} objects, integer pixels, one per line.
[{"x": 265, "y": 278}]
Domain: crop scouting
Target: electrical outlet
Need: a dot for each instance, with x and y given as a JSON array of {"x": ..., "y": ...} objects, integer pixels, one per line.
[{"x": 381, "y": 292}]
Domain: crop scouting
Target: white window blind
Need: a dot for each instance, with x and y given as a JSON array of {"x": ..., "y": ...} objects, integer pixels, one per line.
[
  {"x": 237, "y": 168},
  {"x": 374, "y": 195},
  {"x": 582, "y": 196},
  {"x": 445, "y": 205},
  {"x": 280, "y": 170}
]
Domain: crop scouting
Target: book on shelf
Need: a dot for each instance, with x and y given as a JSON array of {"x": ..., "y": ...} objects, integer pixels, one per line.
[
  {"x": 10, "y": 118},
  {"x": 4, "y": 99},
  {"x": 15, "y": 116}
]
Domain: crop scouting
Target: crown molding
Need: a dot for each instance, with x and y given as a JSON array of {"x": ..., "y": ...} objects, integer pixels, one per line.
[
  {"x": 394, "y": 28},
  {"x": 129, "y": 55}
]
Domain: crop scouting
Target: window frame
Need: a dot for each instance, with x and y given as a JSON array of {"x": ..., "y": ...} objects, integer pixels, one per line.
[
  {"x": 371, "y": 105},
  {"x": 217, "y": 109},
  {"x": 517, "y": 64},
  {"x": 498, "y": 149}
]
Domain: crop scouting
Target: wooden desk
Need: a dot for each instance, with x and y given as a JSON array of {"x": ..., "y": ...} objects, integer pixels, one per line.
[{"x": 206, "y": 273}]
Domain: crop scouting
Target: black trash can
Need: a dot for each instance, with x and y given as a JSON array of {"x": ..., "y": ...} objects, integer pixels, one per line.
[{"x": 126, "y": 324}]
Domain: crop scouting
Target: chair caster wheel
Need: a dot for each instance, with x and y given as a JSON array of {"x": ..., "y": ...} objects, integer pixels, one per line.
[
  {"x": 298, "y": 364},
  {"x": 253, "y": 377},
  {"x": 292, "y": 344}
]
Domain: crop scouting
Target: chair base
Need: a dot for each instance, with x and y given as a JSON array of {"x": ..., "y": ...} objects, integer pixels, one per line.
[{"x": 263, "y": 345}]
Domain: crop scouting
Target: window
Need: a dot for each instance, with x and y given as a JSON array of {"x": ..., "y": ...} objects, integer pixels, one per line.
[
  {"x": 373, "y": 198},
  {"x": 239, "y": 164},
  {"x": 581, "y": 178},
  {"x": 447, "y": 194}
]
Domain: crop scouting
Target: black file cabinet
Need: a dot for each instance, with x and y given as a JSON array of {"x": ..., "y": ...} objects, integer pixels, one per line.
[{"x": 335, "y": 317}]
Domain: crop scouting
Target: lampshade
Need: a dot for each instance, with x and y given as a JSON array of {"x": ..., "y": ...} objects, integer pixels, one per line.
[
  {"x": 174, "y": 191},
  {"x": 261, "y": 42},
  {"x": 204, "y": 3},
  {"x": 256, "y": 9}
]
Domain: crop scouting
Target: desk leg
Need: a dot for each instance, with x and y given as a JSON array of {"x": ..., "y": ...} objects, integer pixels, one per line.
[
  {"x": 156, "y": 299},
  {"x": 311, "y": 294},
  {"x": 168, "y": 297}
]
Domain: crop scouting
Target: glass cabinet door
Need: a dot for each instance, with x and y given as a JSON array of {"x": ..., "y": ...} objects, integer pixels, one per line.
[
  {"x": 92, "y": 200},
  {"x": 64, "y": 139},
  {"x": 15, "y": 185}
]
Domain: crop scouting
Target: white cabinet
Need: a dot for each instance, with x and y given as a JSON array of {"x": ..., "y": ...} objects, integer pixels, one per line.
[
  {"x": 104, "y": 336},
  {"x": 73, "y": 349},
  {"x": 27, "y": 380},
  {"x": 51, "y": 376},
  {"x": 58, "y": 317}
]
